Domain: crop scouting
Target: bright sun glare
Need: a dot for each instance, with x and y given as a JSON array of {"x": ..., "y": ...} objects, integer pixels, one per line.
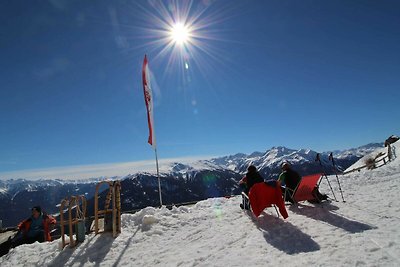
[
  {"x": 180, "y": 34},
  {"x": 183, "y": 33}
]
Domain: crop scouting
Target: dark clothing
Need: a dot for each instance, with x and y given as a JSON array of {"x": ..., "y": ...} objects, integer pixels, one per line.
[
  {"x": 251, "y": 178},
  {"x": 318, "y": 197},
  {"x": 392, "y": 139},
  {"x": 271, "y": 182},
  {"x": 20, "y": 239},
  {"x": 36, "y": 227},
  {"x": 290, "y": 178}
]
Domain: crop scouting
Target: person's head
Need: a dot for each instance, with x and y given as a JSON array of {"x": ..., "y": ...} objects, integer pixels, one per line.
[
  {"x": 285, "y": 166},
  {"x": 36, "y": 212},
  {"x": 252, "y": 168}
]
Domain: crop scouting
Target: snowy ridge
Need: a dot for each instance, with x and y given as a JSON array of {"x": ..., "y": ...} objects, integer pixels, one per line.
[
  {"x": 273, "y": 158},
  {"x": 358, "y": 152},
  {"x": 238, "y": 163},
  {"x": 216, "y": 232},
  {"x": 14, "y": 186},
  {"x": 374, "y": 154}
]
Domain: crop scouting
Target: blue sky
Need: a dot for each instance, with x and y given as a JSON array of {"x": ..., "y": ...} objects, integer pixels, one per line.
[{"x": 322, "y": 75}]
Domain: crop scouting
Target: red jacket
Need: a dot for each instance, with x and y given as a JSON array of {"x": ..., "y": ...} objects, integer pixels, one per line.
[
  {"x": 262, "y": 196},
  {"x": 47, "y": 222}
]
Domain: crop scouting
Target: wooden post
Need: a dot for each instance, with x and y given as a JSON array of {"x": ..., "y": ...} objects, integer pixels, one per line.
[
  {"x": 96, "y": 210},
  {"x": 114, "y": 212},
  {"x": 96, "y": 205},
  {"x": 119, "y": 206},
  {"x": 71, "y": 233}
]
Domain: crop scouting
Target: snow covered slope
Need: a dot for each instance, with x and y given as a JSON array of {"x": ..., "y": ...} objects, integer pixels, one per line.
[
  {"x": 363, "y": 231},
  {"x": 374, "y": 154}
]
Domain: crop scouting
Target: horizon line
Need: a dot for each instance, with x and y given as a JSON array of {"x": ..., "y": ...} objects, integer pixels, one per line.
[
  {"x": 119, "y": 169},
  {"x": 93, "y": 171}
]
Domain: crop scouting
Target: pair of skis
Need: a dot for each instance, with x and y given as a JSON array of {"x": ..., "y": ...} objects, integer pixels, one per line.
[{"x": 317, "y": 158}]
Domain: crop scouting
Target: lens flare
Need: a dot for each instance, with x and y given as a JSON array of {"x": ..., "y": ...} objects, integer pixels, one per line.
[
  {"x": 217, "y": 208},
  {"x": 180, "y": 33},
  {"x": 183, "y": 34}
]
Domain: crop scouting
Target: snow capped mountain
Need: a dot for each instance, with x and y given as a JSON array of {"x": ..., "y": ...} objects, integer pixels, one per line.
[
  {"x": 18, "y": 196},
  {"x": 303, "y": 160},
  {"x": 358, "y": 152},
  {"x": 179, "y": 167},
  {"x": 181, "y": 182},
  {"x": 13, "y": 187},
  {"x": 185, "y": 185}
]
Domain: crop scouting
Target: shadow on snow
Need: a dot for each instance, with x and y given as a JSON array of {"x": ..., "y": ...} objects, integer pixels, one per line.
[
  {"x": 284, "y": 236},
  {"x": 90, "y": 252},
  {"x": 324, "y": 213}
]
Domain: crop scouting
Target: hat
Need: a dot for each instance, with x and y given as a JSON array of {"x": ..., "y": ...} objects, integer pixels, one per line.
[
  {"x": 252, "y": 168},
  {"x": 285, "y": 166},
  {"x": 37, "y": 208}
]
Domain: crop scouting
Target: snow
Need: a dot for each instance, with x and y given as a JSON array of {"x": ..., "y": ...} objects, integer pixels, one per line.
[
  {"x": 375, "y": 154},
  {"x": 363, "y": 231}
]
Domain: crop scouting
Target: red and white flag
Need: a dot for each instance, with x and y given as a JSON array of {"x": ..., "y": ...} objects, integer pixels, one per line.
[{"x": 148, "y": 98}]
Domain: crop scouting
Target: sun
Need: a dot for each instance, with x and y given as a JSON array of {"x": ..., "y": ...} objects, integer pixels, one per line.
[
  {"x": 183, "y": 34},
  {"x": 180, "y": 33}
]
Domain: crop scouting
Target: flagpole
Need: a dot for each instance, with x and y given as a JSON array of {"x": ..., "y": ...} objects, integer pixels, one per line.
[
  {"x": 158, "y": 176},
  {"x": 148, "y": 98}
]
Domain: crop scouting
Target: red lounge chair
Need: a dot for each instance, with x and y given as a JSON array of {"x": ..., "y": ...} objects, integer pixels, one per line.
[
  {"x": 304, "y": 189},
  {"x": 262, "y": 196}
]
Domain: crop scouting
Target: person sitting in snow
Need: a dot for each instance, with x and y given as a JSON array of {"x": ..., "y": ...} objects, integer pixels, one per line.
[
  {"x": 36, "y": 228},
  {"x": 252, "y": 177},
  {"x": 291, "y": 179}
]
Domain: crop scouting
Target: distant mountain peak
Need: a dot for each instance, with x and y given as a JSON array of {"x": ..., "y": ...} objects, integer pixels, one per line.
[{"x": 177, "y": 167}]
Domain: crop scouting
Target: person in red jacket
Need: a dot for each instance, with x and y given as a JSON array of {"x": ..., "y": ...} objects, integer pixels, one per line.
[{"x": 35, "y": 228}]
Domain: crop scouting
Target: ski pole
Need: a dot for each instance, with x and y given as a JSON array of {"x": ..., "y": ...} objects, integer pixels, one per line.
[
  {"x": 324, "y": 174},
  {"x": 337, "y": 178}
]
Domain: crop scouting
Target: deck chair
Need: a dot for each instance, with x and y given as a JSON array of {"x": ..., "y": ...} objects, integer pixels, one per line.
[
  {"x": 262, "y": 196},
  {"x": 304, "y": 189}
]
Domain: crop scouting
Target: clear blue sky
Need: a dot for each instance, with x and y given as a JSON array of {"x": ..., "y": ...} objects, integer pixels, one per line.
[{"x": 322, "y": 75}]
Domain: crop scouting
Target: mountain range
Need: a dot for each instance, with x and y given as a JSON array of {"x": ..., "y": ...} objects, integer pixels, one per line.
[{"x": 180, "y": 182}]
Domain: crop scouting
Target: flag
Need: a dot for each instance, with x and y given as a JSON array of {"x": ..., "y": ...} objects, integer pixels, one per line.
[{"x": 148, "y": 98}]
